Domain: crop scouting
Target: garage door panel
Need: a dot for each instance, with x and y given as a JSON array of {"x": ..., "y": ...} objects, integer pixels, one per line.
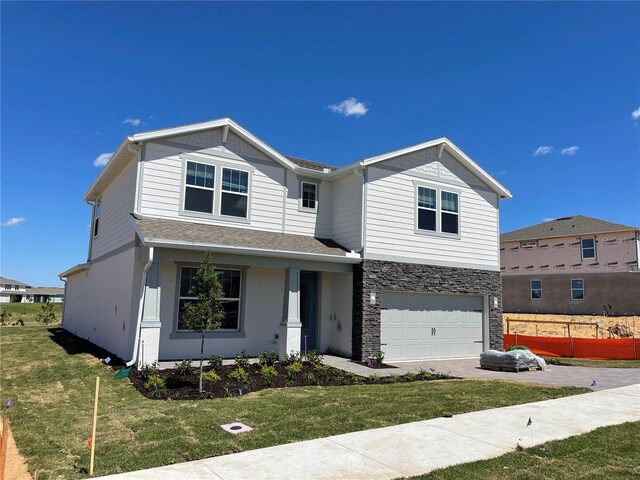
[{"x": 424, "y": 326}]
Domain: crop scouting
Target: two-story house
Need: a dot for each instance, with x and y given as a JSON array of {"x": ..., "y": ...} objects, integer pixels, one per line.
[
  {"x": 572, "y": 265},
  {"x": 12, "y": 290},
  {"x": 397, "y": 252}
]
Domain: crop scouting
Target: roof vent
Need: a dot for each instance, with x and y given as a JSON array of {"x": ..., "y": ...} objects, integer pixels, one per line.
[{"x": 563, "y": 218}]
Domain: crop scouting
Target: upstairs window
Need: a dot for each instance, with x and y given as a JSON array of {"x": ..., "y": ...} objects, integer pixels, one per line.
[
  {"x": 450, "y": 222},
  {"x": 235, "y": 193},
  {"x": 438, "y": 211},
  {"x": 198, "y": 195},
  {"x": 577, "y": 289},
  {"x": 536, "y": 289},
  {"x": 426, "y": 209},
  {"x": 308, "y": 196},
  {"x": 96, "y": 218},
  {"x": 588, "y": 246}
]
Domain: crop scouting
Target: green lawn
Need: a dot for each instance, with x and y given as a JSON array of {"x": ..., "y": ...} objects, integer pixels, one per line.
[
  {"x": 582, "y": 362},
  {"x": 608, "y": 453},
  {"x": 28, "y": 311},
  {"x": 51, "y": 378}
]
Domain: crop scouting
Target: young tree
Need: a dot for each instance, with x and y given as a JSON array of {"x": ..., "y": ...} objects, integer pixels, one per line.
[
  {"x": 206, "y": 313},
  {"x": 47, "y": 315}
]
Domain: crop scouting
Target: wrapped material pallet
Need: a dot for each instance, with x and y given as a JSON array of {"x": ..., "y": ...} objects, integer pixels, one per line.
[{"x": 514, "y": 360}]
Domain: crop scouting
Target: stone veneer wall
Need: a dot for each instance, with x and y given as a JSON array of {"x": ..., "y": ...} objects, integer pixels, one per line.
[{"x": 376, "y": 276}]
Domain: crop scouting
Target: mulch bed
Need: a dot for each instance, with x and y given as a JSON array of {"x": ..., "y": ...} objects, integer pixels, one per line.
[
  {"x": 374, "y": 366},
  {"x": 186, "y": 387}
]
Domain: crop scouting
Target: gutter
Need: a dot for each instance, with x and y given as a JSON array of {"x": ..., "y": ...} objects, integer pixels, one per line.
[
  {"x": 136, "y": 341},
  {"x": 362, "y": 207}
]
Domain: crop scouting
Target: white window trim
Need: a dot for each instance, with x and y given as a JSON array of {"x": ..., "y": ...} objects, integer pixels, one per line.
[
  {"x": 300, "y": 188},
  {"x": 438, "y": 232},
  {"x": 209, "y": 189},
  {"x": 531, "y": 289},
  {"x": 219, "y": 164},
  {"x": 572, "y": 289},
  {"x": 595, "y": 252},
  {"x": 239, "y": 299},
  {"x": 233, "y": 217}
]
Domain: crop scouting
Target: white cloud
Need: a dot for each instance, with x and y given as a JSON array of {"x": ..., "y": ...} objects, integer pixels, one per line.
[
  {"x": 136, "y": 122},
  {"x": 547, "y": 219},
  {"x": 348, "y": 107},
  {"x": 13, "y": 221},
  {"x": 500, "y": 173},
  {"x": 636, "y": 114},
  {"x": 543, "y": 150},
  {"x": 570, "y": 150},
  {"x": 102, "y": 159}
]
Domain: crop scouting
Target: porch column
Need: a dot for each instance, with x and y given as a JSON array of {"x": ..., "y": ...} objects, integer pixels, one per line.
[
  {"x": 290, "y": 327},
  {"x": 149, "y": 347}
]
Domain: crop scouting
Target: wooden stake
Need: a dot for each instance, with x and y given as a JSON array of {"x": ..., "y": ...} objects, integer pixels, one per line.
[
  {"x": 95, "y": 420},
  {"x": 3, "y": 447}
]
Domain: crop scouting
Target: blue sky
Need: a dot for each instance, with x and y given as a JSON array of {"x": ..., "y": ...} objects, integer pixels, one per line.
[{"x": 499, "y": 79}]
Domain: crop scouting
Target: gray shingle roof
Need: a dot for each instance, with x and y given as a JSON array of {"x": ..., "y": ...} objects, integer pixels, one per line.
[
  {"x": 311, "y": 165},
  {"x": 45, "y": 291},
  {"x": 154, "y": 229},
  {"x": 9, "y": 281},
  {"x": 564, "y": 227}
]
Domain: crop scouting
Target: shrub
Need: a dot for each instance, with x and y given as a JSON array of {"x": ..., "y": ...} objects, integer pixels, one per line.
[
  {"x": 321, "y": 369},
  {"x": 242, "y": 359},
  {"x": 267, "y": 359},
  {"x": 309, "y": 377},
  {"x": 46, "y": 316},
  {"x": 293, "y": 369},
  {"x": 269, "y": 373},
  {"x": 314, "y": 358},
  {"x": 292, "y": 357},
  {"x": 373, "y": 378},
  {"x": 157, "y": 386},
  {"x": 393, "y": 378},
  {"x": 410, "y": 377},
  {"x": 379, "y": 355},
  {"x": 149, "y": 370},
  {"x": 239, "y": 374},
  {"x": 184, "y": 368},
  {"x": 210, "y": 377},
  {"x": 215, "y": 361},
  {"x": 4, "y": 316}
]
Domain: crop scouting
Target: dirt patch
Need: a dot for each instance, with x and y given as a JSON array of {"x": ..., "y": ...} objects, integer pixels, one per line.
[
  {"x": 15, "y": 466},
  {"x": 629, "y": 324},
  {"x": 185, "y": 387},
  {"x": 373, "y": 366}
]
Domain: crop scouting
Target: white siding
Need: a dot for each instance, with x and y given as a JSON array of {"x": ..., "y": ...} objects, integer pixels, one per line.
[
  {"x": 162, "y": 182},
  {"x": 391, "y": 207},
  {"x": 117, "y": 202},
  {"x": 101, "y": 303},
  {"x": 347, "y": 208},
  {"x": 317, "y": 224}
]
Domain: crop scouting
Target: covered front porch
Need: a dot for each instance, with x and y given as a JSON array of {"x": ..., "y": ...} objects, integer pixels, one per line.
[{"x": 274, "y": 300}]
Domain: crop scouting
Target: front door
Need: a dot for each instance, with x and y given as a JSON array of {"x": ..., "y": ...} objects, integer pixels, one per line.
[{"x": 308, "y": 309}]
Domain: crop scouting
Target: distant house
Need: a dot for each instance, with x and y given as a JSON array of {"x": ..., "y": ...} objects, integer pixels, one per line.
[
  {"x": 44, "y": 295},
  {"x": 397, "y": 252},
  {"x": 12, "y": 290},
  {"x": 573, "y": 265}
]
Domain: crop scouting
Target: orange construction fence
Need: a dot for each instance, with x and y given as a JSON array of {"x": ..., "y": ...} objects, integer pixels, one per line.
[{"x": 592, "y": 348}]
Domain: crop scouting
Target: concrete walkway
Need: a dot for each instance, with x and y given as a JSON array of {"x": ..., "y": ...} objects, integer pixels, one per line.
[{"x": 415, "y": 448}]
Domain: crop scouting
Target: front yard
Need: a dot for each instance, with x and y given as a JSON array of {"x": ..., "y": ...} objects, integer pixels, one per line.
[
  {"x": 583, "y": 362},
  {"x": 51, "y": 377}
]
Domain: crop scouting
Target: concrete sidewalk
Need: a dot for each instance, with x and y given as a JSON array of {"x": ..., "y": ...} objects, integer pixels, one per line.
[{"x": 415, "y": 448}]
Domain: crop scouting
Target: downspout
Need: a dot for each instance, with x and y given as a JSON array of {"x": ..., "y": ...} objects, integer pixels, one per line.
[
  {"x": 638, "y": 250},
  {"x": 143, "y": 284},
  {"x": 362, "y": 207},
  {"x": 64, "y": 302}
]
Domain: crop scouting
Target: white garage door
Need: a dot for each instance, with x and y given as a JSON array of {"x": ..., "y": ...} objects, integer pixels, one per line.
[{"x": 416, "y": 326}]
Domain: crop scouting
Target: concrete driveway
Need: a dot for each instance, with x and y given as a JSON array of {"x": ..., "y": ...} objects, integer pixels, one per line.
[{"x": 605, "y": 378}]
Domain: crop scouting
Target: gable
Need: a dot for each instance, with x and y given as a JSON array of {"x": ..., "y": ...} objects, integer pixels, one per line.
[{"x": 426, "y": 164}]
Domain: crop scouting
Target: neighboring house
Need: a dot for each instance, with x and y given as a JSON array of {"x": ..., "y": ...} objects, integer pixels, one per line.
[
  {"x": 12, "y": 290},
  {"x": 44, "y": 295},
  {"x": 397, "y": 252},
  {"x": 572, "y": 265}
]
